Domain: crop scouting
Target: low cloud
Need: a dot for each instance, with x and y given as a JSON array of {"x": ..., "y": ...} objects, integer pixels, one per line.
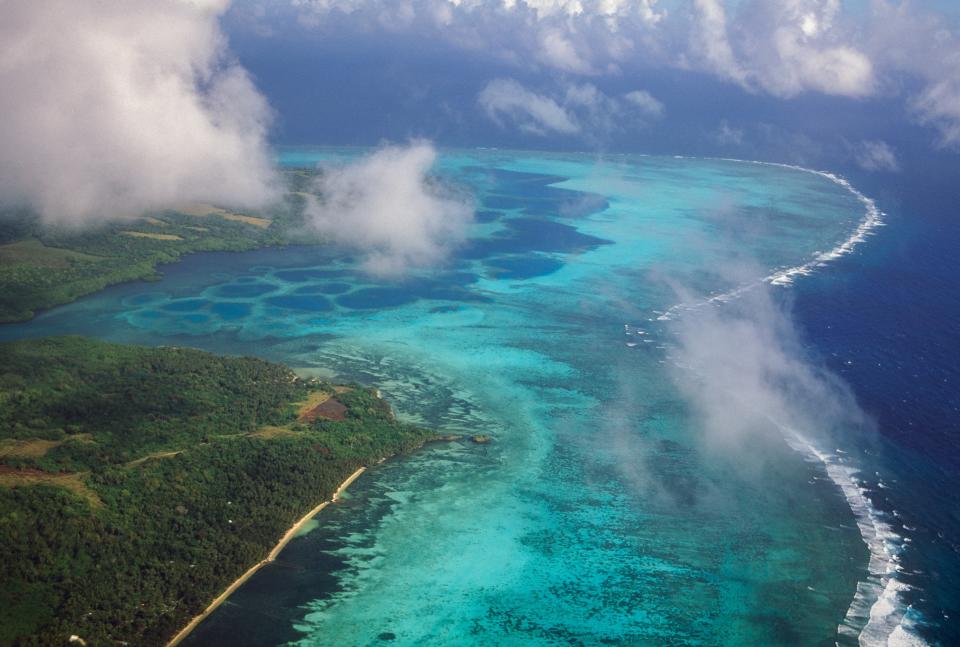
[
  {"x": 745, "y": 371},
  {"x": 875, "y": 156},
  {"x": 923, "y": 44},
  {"x": 939, "y": 105},
  {"x": 388, "y": 207},
  {"x": 646, "y": 102},
  {"x": 113, "y": 108},
  {"x": 782, "y": 48},
  {"x": 559, "y": 51},
  {"x": 710, "y": 42},
  {"x": 506, "y": 100},
  {"x": 727, "y": 135},
  {"x": 576, "y": 109}
]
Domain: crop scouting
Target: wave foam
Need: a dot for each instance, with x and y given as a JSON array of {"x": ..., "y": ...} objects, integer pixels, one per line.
[
  {"x": 877, "y": 616},
  {"x": 872, "y": 219}
]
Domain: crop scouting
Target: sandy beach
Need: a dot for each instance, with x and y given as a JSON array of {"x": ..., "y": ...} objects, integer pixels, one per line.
[{"x": 183, "y": 633}]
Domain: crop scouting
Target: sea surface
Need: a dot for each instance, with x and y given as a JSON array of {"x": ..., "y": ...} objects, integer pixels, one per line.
[{"x": 637, "y": 490}]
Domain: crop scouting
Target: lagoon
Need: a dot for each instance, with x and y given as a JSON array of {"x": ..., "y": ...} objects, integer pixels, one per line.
[{"x": 597, "y": 515}]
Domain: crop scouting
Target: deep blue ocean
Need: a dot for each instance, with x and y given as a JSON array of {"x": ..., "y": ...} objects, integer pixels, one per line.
[
  {"x": 887, "y": 319},
  {"x": 661, "y": 476}
]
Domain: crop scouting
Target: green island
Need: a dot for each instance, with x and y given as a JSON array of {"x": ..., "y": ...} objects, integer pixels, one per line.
[
  {"x": 42, "y": 265},
  {"x": 137, "y": 483}
]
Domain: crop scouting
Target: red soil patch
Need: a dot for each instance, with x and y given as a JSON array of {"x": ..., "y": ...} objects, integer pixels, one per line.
[{"x": 330, "y": 409}]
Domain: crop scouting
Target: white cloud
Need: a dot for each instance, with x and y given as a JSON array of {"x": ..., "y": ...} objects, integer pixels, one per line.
[
  {"x": 922, "y": 45},
  {"x": 538, "y": 9},
  {"x": 711, "y": 41},
  {"x": 597, "y": 113},
  {"x": 584, "y": 37},
  {"x": 646, "y": 102},
  {"x": 783, "y": 48},
  {"x": 558, "y": 51},
  {"x": 728, "y": 135},
  {"x": 579, "y": 109},
  {"x": 803, "y": 59},
  {"x": 111, "y": 108},
  {"x": 387, "y": 207},
  {"x": 939, "y": 104},
  {"x": 744, "y": 369},
  {"x": 531, "y": 112},
  {"x": 875, "y": 156}
]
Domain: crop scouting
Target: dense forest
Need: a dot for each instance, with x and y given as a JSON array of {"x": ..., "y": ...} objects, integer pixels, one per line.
[
  {"x": 42, "y": 265},
  {"x": 137, "y": 483}
]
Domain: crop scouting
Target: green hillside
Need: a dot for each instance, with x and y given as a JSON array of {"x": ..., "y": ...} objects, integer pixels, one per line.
[
  {"x": 42, "y": 265},
  {"x": 137, "y": 483}
]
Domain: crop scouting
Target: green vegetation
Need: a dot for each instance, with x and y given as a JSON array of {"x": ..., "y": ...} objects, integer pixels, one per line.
[
  {"x": 137, "y": 483},
  {"x": 43, "y": 266}
]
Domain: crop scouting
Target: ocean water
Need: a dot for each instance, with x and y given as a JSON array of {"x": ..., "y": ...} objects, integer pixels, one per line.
[
  {"x": 886, "y": 322},
  {"x": 602, "y": 512}
]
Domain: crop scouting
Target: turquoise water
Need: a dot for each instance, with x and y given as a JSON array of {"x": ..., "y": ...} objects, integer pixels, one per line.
[{"x": 598, "y": 515}]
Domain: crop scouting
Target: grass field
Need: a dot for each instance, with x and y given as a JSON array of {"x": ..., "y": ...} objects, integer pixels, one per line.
[
  {"x": 154, "y": 236},
  {"x": 33, "y": 252}
]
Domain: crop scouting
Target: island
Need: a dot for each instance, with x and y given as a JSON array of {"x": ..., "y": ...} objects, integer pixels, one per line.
[
  {"x": 138, "y": 484},
  {"x": 44, "y": 265}
]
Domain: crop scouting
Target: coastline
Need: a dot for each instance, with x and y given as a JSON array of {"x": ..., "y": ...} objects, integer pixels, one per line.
[
  {"x": 878, "y": 612},
  {"x": 232, "y": 590},
  {"x": 784, "y": 277},
  {"x": 271, "y": 556}
]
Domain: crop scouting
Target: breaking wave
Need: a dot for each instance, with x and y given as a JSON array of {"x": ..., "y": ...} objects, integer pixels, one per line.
[{"x": 872, "y": 219}]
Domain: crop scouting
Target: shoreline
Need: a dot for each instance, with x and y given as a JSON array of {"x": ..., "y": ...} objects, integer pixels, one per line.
[
  {"x": 271, "y": 556},
  {"x": 872, "y": 218}
]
